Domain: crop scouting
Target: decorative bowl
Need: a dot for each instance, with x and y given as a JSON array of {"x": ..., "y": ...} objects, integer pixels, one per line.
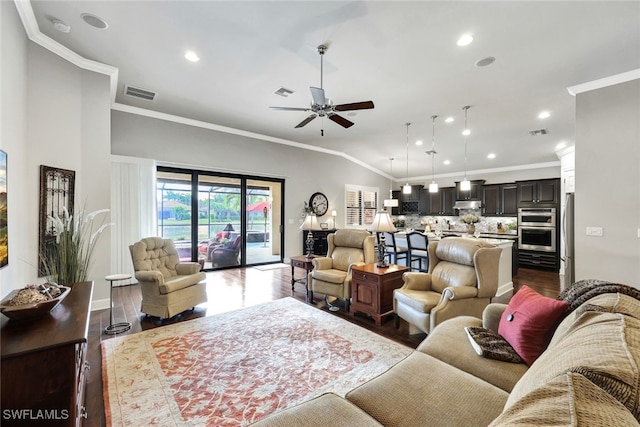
[{"x": 29, "y": 311}]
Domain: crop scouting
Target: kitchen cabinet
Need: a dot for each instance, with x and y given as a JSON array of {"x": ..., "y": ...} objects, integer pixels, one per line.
[
  {"x": 538, "y": 260},
  {"x": 441, "y": 203},
  {"x": 475, "y": 193},
  {"x": 540, "y": 193},
  {"x": 499, "y": 200},
  {"x": 396, "y": 194}
]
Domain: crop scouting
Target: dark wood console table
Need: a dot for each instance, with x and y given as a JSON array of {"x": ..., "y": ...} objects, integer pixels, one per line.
[{"x": 44, "y": 364}]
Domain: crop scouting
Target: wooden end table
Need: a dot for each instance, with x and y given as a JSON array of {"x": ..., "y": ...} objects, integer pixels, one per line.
[
  {"x": 301, "y": 261},
  {"x": 372, "y": 289}
]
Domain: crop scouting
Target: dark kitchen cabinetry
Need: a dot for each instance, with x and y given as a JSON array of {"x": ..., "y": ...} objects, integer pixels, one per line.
[
  {"x": 538, "y": 260},
  {"x": 320, "y": 245},
  {"x": 396, "y": 194},
  {"x": 499, "y": 200},
  {"x": 538, "y": 193},
  {"x": 441, "y": 203},
  {"x": 475, "y": 193}
]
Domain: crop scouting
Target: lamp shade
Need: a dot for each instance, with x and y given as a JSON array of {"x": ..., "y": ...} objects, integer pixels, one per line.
[
  {"x": 229, "y": 227},
  {"x": 390, "y": 203},
  {"x": 310, "y": 223},
  {"x": 433, "y": 187},
  {"x": 382, "y": 222},
  {"x": 465, "y": 185}
]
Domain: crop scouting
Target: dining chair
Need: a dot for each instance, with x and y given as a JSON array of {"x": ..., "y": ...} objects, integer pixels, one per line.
[
  {"x": 417, "y": 244},
  {"x": 393, "y": 251}
]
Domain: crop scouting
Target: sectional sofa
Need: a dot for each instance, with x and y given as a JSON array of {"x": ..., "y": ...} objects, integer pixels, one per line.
[{"x": 589, "y": 373}]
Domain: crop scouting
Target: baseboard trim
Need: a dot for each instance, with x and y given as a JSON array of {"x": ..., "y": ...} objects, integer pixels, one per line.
[
  {"x": 100, "y": 304},
  {"x": 504, "y": 289}
]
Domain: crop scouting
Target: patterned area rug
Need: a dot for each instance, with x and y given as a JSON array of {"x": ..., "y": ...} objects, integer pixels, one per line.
[{"x": 235, "y": 368}]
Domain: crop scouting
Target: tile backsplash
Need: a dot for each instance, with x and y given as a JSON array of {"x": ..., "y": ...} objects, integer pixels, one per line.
[{"x": 487, "y": 224}]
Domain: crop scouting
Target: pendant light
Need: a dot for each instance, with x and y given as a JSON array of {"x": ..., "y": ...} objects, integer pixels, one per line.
[
  {"x": 433, "y": 187},
  {"x": 407, "y": 188},
  {"x": 465, "y": 185},
  {"x": 391, "y": 202}
]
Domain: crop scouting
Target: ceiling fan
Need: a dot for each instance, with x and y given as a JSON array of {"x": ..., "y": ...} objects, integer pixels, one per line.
[{"x": 323, "y": 107}]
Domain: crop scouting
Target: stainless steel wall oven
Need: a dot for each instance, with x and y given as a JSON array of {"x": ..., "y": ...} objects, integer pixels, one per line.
[{"x": 537, "y": 229}]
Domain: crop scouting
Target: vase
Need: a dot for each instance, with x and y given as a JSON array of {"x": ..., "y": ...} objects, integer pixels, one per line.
[{"x": 471, "y": 228}]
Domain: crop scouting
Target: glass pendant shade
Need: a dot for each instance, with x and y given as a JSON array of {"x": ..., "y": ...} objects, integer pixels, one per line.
[
  {"x": 433, "y": 187},
  {"x": 406, "y": 189},
  {"x": 465, "y": 185}
]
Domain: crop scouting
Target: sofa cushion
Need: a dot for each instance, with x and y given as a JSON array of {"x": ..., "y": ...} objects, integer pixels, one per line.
[
  {"x": 566, "y": 400},
  {"x": 489, "y": 344},
  {"x": 603, "y": 346},
  {"x": 325, "y": 410},
  {"x": 448, "y": 342},
  {"x": 422, "y": 301},
  {"x": 424, "y": 391},
  {"x": 529, "y": 322}
]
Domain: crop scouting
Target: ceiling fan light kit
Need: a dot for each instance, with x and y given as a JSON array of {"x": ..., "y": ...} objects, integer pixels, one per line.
[{"x": 322, "y": 106}]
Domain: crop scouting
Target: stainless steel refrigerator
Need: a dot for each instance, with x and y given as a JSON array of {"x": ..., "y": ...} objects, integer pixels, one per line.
[{"x": 568, "y": 235}]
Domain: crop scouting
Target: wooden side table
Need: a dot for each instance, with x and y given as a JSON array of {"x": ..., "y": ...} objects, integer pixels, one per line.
[
  {"x": 301, "y": 261},
  {"x": 372, "y": 289}
]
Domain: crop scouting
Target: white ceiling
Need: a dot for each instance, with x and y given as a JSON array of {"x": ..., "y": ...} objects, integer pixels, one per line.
[{"x": 401, "y": 55}]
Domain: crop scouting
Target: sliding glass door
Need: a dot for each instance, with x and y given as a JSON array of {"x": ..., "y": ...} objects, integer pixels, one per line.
[{"x": 221, "y": 220}]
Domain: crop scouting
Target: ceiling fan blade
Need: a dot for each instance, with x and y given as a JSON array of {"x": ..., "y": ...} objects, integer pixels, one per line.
[
  {"x": 307, "y": 120},
  {"x": 318, "y": 96},
  {"x": 340, "y": 120},
  {"x": 364, "y": 105},
  {"x": 289, "y": 109}
]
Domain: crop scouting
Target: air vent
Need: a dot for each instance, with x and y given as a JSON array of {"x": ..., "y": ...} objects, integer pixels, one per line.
[
  {"x": 283, "y": 91},
  {"x": 538, "y": 132},
  {"x": 136, "y": 92}
]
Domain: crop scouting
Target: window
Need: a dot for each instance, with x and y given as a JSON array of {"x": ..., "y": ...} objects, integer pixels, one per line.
[{"x": 361, "y": 205}]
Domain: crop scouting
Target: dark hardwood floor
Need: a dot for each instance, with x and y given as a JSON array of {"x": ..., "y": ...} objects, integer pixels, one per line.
[{"x": 237, "y": 288}]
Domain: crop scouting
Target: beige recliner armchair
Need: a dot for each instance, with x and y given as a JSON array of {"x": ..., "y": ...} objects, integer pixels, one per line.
[
  {"x": 331, "y": 275},
  {"x": 462, "y": 279},
  {"x": 168, "y": 286}
]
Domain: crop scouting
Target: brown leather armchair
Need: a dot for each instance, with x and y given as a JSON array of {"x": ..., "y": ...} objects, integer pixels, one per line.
[
  {"x": 332, "y": 274},
  {"x": 462, "y": 279},
  {"x": 168, "y": 286}
]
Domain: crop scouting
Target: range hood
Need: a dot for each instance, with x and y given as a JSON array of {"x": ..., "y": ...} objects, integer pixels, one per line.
[{"x": 467, "y": 204}]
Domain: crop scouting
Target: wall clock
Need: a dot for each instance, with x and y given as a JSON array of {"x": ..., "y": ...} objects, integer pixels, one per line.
[{"x": 319, "y": 203}]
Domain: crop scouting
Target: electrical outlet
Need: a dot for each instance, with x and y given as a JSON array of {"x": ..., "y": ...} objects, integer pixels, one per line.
[{"x": 595, "y": 231}]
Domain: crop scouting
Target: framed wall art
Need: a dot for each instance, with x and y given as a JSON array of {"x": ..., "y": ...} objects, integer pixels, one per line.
[
  {"x": 57, "y": 189},
  {"x": 4, "y": 223}
]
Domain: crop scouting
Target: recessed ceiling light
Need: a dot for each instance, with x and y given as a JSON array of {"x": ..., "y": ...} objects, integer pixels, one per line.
[
  {"x": 485, "y": 61},
  {"x": 561, "y": 145},
  {"x": 419, "y": 142},
  {"x": 94, "y": 21},
  {"x": 191, "y": 56},
  {"x": 466, "y": 132},
  {"x": 544, "y": 115},
  {"x": 446, "y": 162},
  {"x": 491, "y": 156},
  {"x": 449, "y": 120},
  {"x": 60, "y": 26},
  {"x": 465, "y": 40}
]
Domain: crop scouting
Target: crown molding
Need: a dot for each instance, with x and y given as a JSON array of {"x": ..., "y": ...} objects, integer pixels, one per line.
[{"x": 604, "y": 82}]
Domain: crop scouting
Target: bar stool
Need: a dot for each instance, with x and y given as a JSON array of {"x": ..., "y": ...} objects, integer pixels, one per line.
[{"x": 115, "y": 328}]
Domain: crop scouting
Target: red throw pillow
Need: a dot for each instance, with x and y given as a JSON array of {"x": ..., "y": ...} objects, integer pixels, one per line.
[{"x": 529, "y": 322}]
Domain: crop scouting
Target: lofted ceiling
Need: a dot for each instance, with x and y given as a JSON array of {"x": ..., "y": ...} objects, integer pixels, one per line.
[{"x": 400, "y": 55}]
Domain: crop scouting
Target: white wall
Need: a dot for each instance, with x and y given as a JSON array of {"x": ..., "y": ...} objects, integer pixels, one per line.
[
  {"x": 56, "y": 115},
  {"x": 607, "y": 195},
  {"x": 305, "y": 172},
  {"x": 13, "y": 129}
]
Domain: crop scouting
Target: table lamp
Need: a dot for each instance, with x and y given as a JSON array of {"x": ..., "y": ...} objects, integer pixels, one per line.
[
  {"x": 382, "y": 223},
  {"x": 310, "y": 224}
]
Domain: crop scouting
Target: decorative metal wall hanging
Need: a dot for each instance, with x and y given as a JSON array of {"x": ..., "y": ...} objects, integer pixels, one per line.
[{"x": 56, "y": 193}]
